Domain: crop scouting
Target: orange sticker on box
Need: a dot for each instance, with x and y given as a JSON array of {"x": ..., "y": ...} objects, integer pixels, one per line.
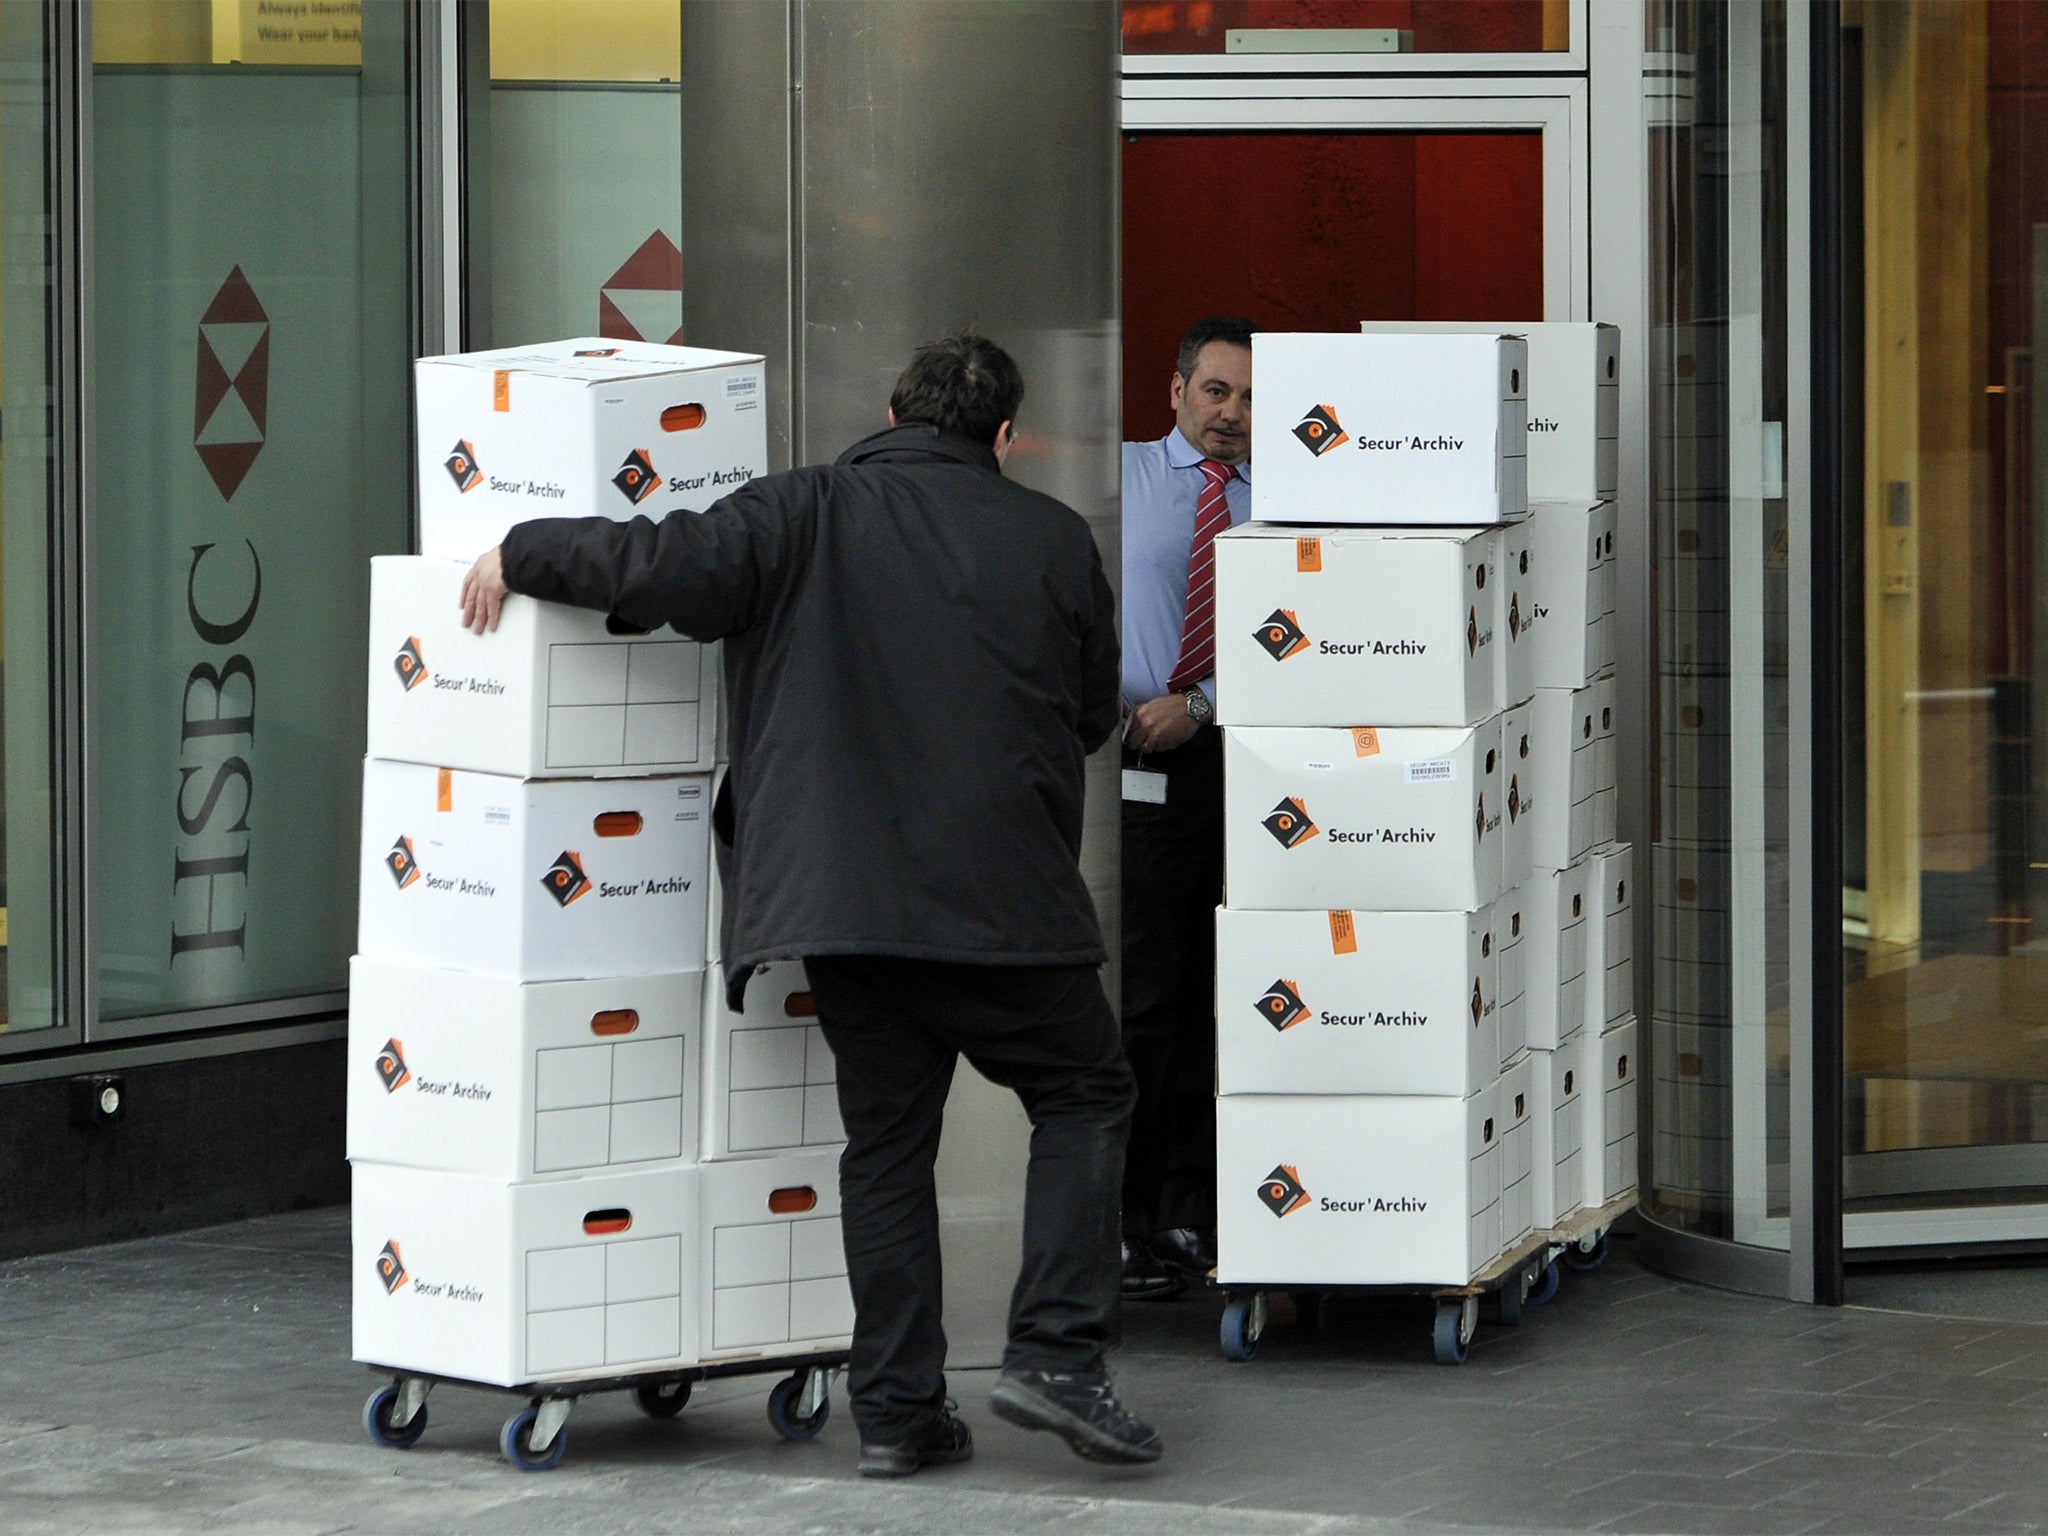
[
  {"x": 1343, "y": 934},
  {"x": 1365, "y": 740},
  {"x": 444, "y": 791},
  {"x": 1308, "y": 554},
  {"x": 501, "y": 390}
]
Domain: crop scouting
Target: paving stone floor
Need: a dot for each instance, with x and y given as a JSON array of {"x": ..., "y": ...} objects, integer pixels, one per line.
[{"x": 203, "y": 1383}]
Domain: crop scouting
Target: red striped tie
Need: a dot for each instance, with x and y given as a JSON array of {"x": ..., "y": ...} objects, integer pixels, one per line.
[{"x": 1198, "y": 627}]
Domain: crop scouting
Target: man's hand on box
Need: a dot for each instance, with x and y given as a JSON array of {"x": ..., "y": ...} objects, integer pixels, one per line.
[
  {"x": 1161, "y": 724},
  {"x": 483, "y": 593}
]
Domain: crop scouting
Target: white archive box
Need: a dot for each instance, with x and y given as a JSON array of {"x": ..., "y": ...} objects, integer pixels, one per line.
[
  {"x": 1564, "y": 777},
  {"x": 1608, "y": 1163},
  {"x": 1357, "y": 626},
  {"x": 1355, "y": 1002},
  {"x": 1356, "y": 1191},
  {"x": 1610, "y": 936},
  {"x": 1563, "y": 617},
  {"x": 1517, "y": 781},
  {"x": 1515, "y": 652},
  {"x": 1515, "y": 1115},
  {"x": 1606, "y": 767},
  {"x": 770, "y": 1081},
  {"x": 1559, "y": 1124},
  {"x": 538, "y": 879},
  {"x": 552, "y": 691},
  {"x": 512, "y": 1283},
  {"x": 1392, "y": 820},
  {"x": 1401, "y": 429},
  {"x": 1510, "y": 925},
  {"x": 1574, "y": 400},
  {"x": 580, "y": 428},
  {"x": 1556, "y": 916},
  {"x": 516, "y": 1080},
  {"x": 772, "y": 1260}
]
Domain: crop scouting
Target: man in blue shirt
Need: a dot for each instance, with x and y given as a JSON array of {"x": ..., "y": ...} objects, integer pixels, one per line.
[{"x": 1178, "y": 493}]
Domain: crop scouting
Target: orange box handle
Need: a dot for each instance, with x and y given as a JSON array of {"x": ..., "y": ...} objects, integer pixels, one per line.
[
  {"x": 800, "y": 1005},
  {"x": 682, "y": 418},
  {"x": 607, "y": 1223},
  {"x": 615, "y": 1021},
  {"x": 618, "y": 823},
  {"x": 793, "y": 1201}
]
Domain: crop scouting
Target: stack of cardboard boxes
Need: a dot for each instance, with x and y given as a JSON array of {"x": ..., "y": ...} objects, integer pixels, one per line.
[
  {"x": 571, "y": 1160},
  {"x": 1426, "y": 915}
]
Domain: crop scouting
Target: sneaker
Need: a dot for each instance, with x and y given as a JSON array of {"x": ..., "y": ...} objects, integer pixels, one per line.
[
  {"x": 946, "y": 1439},
  {"x": 1144, "y": 1277},
  {"x": 1079, "y": 1407}
]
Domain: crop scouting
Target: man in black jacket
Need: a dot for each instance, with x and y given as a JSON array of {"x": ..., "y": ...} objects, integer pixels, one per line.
[{"x": 919, "y": 656}]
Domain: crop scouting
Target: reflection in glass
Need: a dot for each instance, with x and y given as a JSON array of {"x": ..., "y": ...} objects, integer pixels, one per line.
[
  {"x": 1346, "y": 26},
  {"x": 1946, "y": 843}
]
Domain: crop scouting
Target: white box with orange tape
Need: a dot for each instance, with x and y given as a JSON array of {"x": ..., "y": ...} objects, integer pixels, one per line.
[
  {"x": 1356, "y": 1002},
  {"x": 1394, "y": 820},
  {"x": 505, "y": 1284},
  {"x": 535, "y": 879},
  {"x": 552, "y": 692},
  {"x": 1331, "y": 1190},
  {"x": 770, "y": 1081},
  {"x": 772, "y": 1259},
  {"x": 1408, "y": 429},
  {"x": 508, "y": 1080},
  {"x": 588, "y": 427},
  {"x": 1357, "y": 626}
]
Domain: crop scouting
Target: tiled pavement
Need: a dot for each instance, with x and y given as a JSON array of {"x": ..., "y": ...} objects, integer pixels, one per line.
[{"x": 202, "y": 1383}]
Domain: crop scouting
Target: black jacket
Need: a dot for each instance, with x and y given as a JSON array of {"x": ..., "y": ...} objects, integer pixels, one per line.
[{"x": 919, "y": 655}]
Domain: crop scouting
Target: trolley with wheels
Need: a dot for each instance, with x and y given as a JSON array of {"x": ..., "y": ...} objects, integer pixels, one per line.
[
  {"x": 535, "y": 1437},
  {"x": 1527, "y": 1275}
]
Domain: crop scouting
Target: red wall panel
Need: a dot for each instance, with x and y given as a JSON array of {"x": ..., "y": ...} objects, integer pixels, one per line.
[{"x": 1316, "y": 232}]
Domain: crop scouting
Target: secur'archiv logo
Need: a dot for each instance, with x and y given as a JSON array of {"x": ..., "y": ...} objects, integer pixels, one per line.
[
  {"x": 392, "y": 1071},
  {"x": 404, "y": 867},
  {"x": 1281, "y": 635},
  {"x": 1288, "y": 822},
  {"x": 1282, "y": 1191},
  {"x": 1318, "y": 431},
  {"x": 391, "y": 1268},
  {"x": 565, "y": 879},
  {"x": 636, "y": 478},
  {"x": 1282, "y": 1006},
  {"x": 410, "y": 664},
  {"x": 462, "y": 466}
]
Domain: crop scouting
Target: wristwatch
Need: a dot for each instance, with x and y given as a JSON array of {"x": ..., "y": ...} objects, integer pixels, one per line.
[{"x": 1200, "y": 710}]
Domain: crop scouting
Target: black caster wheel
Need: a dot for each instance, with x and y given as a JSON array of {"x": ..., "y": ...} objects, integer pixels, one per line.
[
  {"x": 377, "y": 1421},
  {"x": 1235, "y": 1336},
  {"x": 662, "y": 1399},
  {"x": 1507, "y": 1301},
  {"x": 515, "y": 1443},
  {"x": 1587, "y": 1253},
  {"x": 782, "y": 1410},
  {"x": 1545, "y": 1288},
  {"x": 1457, "y": 1319}
]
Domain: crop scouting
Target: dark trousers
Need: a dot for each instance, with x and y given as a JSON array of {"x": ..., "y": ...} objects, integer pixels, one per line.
[
  {"x": 1172, "y": 885},
  {"x": 1045, "y": 1032}
]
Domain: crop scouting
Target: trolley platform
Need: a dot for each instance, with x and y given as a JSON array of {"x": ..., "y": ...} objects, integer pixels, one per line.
[
  {"x": 535, "y": 1438},
  {"x": 1526, "y": 1274}
]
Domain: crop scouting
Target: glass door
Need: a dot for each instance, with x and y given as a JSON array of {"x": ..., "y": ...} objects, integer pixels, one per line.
[{"x": 1945, "y": 638}]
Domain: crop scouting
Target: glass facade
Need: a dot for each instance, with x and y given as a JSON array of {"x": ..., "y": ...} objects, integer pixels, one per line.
[
  {"x": 29, "y": 897},
  {"x": 1945, "y": 783},
  {"x": 1252, "y": 27},
  {"x": 249, "y": 454}
]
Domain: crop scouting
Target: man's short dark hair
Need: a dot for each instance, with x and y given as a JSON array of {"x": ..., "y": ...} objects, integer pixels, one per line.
[
  {"x": 964, "y": 384},
  {"x": 1230, "y": 328}
]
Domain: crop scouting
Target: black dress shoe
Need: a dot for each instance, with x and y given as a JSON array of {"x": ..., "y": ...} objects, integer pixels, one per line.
[
  {"x": 1187, "y": 1250},
  {"x": 1144, "y": 1278},
  {"x": 1081, "y": 1408},
  {"x": 945, "y": 1439}
]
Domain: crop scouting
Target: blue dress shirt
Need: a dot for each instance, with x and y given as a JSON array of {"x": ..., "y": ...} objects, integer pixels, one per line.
[{"x": 1162, "y": 483}]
